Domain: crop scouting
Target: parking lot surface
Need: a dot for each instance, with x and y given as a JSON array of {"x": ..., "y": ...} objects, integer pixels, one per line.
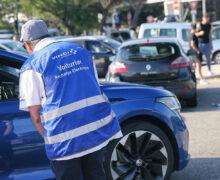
[{"x": 203, "y": 123}]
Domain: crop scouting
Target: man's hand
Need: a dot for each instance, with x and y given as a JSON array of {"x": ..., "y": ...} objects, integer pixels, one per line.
[
  {"x": 35, "y": 116},
  {"x": 200, "y": 33}
]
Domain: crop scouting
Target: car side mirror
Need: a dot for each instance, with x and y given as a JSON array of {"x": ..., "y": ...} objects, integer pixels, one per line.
[
  {"x": 114, "y": 51},
  {"x": 112, "y": 58},
  {"x": 111, "y": 51}
]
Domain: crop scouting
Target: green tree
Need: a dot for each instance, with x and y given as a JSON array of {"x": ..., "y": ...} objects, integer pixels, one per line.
[
  {"x": 74, "y": 15},
  {"x": 106, "y": 5}
]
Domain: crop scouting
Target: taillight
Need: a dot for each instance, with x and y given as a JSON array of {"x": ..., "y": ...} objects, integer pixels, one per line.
[
  {"x": 180, "y": 62},
  {"x": 117, "y": 67}
]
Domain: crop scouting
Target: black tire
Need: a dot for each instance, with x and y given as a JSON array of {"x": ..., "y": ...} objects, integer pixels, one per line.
[
  {"x": 192, "y": 102},
  {"x": 217, "y": 57},
  {"x": 149, "y": 161}
]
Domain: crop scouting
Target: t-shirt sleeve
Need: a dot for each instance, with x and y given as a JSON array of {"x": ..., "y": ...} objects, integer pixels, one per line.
[
  {"x": 31, "y": 89},
  {"x": 194, "y": 38}
]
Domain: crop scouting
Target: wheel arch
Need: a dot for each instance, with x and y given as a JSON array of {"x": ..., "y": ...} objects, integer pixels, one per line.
[
  {"x": 161, "y": 124},
  {"x": 214, "y": 53}
]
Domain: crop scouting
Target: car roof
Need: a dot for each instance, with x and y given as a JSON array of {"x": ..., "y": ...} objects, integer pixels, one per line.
[
  {"x": 150, "y": 40},
  {"x": 80, "y": 38},
  {"x": 165, "y": 25},
  {"x": 8, "y": 41},
  {"x": 12, "y": 55}
]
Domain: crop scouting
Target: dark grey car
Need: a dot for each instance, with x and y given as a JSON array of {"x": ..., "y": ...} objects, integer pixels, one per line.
[
  {"x": 101, "y": 47},
  {"x": 155, "y": 62}
]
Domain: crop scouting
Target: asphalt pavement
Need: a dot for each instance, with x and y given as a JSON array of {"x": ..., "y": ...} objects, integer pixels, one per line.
[{"x": 203, "y": 123}]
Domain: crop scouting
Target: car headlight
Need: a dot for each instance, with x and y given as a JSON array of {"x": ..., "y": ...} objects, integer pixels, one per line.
[{"x": 171, "y": 102}]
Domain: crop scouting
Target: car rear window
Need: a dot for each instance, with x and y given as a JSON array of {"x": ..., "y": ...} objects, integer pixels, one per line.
[
  {"x": 147, "y": 52},
  {"x": 160, "y": 32}
]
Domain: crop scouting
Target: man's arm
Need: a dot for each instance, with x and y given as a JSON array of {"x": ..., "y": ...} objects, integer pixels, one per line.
[
  {"x": 200, "y": 33},
  {"x": 32, "y": 96},
  {"x": 210, "y": 37},
  {"x": 35, "y": 116}
]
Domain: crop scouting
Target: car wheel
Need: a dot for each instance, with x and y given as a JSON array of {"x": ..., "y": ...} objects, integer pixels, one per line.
[
  {"x": 143, "y": 153},
  {"x": 192, "y": 102},
  {"x": 217, "y": 58}
]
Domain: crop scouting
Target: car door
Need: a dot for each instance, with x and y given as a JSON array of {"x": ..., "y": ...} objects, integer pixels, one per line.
[
  {"x": 101, "y": 54},
  {"x": 22, "y": 154}
]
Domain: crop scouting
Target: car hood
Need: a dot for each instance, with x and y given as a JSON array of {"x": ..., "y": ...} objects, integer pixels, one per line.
[{"x": 132, "y": 91}]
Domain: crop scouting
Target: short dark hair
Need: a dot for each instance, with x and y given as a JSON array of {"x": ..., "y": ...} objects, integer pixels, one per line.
[{"x": 193, "y": 26}]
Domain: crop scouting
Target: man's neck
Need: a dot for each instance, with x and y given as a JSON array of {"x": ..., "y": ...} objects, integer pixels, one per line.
[{"x": 204, "y": 23}]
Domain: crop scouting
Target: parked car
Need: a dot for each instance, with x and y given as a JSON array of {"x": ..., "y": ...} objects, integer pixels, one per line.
[
  {"x": 176, "y": 30},
  {"x": 13, "y": 46},
  {"x": 6, "y": 34},
  {"x": 154, "y": 142},
  {"x": 101, "y": 47},
  {"x": 216, "y": 45},
  {"x": 53, "y": 32},
  {"x": 155, "y": 62},
  {"x": 121, "y": 35}
]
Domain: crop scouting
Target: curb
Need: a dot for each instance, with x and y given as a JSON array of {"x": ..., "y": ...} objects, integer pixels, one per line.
[{"x": 212, "y": 77}]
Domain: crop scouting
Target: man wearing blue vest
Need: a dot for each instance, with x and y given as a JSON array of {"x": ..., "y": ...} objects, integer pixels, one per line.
[{"x": 59, "y": 87}]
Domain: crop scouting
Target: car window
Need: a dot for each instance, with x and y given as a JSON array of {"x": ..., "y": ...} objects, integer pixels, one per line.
[
  {"x": 9, "y": 82},
  {"x": 171, "y": 32},
  {"x": 185, "y": 34},
  {"x": 96, "y": 47},
  {"x": 112, "y": 43},
  {"x": 151, "y": 33},
  {"x": 14, "y": 46},
  {"x": 147, "y": 52},
  {"x": 160, "y": 32},
  {"x": 216, "y": 33}
]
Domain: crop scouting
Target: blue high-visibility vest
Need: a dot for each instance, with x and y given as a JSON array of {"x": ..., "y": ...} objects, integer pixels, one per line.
[{"x": 77, "y": 115}]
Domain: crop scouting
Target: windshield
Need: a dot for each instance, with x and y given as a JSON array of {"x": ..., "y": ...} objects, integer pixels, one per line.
[
  {"x": 112, "y": 43},
  {"x": 14, "y": 46},
  {"x": 147, "y": 52}
]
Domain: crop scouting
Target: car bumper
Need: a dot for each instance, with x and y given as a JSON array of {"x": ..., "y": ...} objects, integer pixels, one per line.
[
  {"x": 177, "y": 125},
  {"x": 182, "y": 89}
]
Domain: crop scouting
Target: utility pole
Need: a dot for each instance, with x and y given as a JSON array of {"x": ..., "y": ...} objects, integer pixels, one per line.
[
  {"x": 203, "y": 7},
  {"x": 16, "y": 17}
]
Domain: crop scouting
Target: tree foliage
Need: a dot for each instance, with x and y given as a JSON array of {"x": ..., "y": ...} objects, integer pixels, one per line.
[
  {"x": 73, "y": 15},
  {"x": 106, "y": 6}
]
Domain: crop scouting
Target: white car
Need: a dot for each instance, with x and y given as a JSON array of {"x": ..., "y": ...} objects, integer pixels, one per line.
[
  {"x": 180, "y": 31},
  {"x": 216, "y": 45},
  {"x": 216, "y": 51}
]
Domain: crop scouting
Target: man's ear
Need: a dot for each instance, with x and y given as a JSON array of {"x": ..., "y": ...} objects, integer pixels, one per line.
[{"x": 29, "y": 48}]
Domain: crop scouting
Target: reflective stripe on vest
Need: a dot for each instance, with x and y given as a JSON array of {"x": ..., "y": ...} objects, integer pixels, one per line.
[
  {"x": 73, "y": 107},
  {"x": 80, "y": 130}
]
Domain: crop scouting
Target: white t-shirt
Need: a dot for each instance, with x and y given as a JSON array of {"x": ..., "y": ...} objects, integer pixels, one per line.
[{"x": 32, "y": 92}]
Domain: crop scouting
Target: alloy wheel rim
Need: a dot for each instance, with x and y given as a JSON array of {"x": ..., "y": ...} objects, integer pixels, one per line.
[{"x": 139, "y": 155}]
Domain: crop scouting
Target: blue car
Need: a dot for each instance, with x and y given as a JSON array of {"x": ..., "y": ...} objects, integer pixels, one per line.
[{"x": 155, "y": 141}]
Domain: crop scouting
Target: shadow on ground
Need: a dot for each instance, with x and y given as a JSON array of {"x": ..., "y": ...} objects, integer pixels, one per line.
[
  {"x": 207, "y": 100},
  {"x": 199, "y": 169}
]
